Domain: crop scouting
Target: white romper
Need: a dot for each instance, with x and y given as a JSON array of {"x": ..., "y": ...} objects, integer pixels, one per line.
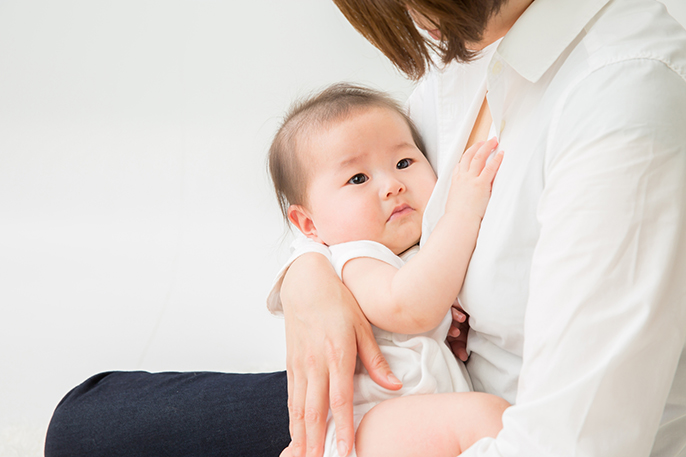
[{"x": 423, "y": 362}]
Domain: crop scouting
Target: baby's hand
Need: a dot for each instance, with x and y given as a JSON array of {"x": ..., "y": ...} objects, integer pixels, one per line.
[{"x": 472, "y": 180}]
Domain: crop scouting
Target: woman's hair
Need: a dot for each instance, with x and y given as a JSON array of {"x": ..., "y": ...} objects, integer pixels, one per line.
[
  {"x": 387, "y": 24},
  {"x": 335, "y": 103}
]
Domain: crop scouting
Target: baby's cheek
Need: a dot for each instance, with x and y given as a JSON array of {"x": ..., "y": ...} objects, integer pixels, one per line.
[
  {"x": 358, "y": 225},
  {"x": 336, "y": 230}
]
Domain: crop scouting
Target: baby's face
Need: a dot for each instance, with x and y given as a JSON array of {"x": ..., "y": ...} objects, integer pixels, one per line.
[{"x": 368, "y": 180}]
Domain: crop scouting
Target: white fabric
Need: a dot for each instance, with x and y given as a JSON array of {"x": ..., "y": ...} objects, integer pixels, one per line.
[
  {"x": 577, "y": 286},
  {"x": 423, "y": 362}
]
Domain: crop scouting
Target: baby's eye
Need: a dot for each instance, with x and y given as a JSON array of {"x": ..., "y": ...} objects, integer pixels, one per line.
[
  {"x": 404, "y": 163},
  {"x": 359, "y": 178}
]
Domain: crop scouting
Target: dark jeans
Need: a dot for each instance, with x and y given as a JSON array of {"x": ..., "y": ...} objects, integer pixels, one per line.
[{"x": 139, "y": 414}]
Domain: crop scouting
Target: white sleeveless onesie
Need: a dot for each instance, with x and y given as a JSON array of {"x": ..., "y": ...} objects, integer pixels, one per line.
[{"x": 423, "y": 362}]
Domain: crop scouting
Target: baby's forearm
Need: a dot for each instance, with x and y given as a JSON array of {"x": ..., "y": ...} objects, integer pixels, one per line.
[{"x": 424, "y": 289}]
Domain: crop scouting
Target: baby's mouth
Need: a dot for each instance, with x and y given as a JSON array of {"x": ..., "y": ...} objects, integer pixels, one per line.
[{"x": 400, "y": 211}]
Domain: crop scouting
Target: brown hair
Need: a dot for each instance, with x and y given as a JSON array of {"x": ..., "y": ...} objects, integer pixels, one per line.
[
  {"x": 334, "y": 103},
  {"x": 387, "y": 24}
]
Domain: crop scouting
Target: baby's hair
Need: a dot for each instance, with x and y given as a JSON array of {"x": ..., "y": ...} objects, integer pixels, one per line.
[{"x": 334, "y": 103}]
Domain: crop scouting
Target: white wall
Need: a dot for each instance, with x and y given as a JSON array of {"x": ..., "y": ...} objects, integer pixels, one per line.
[{"x": 137, "y": 225}]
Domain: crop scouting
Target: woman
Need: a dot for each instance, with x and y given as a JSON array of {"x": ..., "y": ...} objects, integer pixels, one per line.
[
  {"x": 574, "y": 290},
  {"x": 566, "y": 293}
]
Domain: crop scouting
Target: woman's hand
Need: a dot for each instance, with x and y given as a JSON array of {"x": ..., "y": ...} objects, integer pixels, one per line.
[
  {"x": 459, "y": 330},
  {"x": 325, "y": 331}
]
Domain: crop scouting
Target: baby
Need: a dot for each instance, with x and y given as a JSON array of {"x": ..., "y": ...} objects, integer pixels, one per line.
[{"x": 349, "y": 171}]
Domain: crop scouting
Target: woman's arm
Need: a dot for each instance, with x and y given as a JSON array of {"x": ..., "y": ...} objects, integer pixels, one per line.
[
  {"x": 325, "y": 331},
  {"x": 416, "y": 297}
]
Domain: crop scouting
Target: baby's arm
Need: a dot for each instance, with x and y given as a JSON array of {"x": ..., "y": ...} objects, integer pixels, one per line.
[
  {"x": 416, "y": 297},
  {"x": 435, "y": 425}
]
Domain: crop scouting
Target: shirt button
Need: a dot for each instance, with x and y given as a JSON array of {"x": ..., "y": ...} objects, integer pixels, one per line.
[
  {"x": 502, "y": 125},
  {"x": 497, "y": 67}
]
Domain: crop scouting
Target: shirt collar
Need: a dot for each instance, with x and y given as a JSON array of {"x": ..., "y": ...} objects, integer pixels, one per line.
[{"x": 543, "y": 32}]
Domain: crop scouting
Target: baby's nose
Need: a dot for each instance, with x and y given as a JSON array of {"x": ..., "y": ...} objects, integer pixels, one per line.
[{"x": 394, "y": 187}]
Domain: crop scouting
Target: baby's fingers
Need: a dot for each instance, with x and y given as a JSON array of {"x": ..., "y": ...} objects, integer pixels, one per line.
[
  {"x": 481, "y": 156},
  {"x": 468, "y": 156},
  {"x": 492, "y": 167}
]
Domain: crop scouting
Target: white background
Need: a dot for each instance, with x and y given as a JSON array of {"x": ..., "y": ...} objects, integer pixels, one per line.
[{"x": 137, "y": 224}]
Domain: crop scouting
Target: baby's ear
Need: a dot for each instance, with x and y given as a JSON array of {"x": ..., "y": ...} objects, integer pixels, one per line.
[{"x": 301, "y": 218}]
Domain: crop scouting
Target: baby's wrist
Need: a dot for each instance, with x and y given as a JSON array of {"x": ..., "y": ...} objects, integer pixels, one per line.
[{"x": 461, "y": 215}]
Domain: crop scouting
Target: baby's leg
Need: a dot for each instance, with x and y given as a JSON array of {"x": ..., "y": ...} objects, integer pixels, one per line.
[{"x": 433, "y": 425}]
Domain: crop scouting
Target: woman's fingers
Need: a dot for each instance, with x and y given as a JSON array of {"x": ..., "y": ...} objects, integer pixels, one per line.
[
  {"x": 288, "y": 452},
  {"x": 317, "y": 384},
  {"x": 340, "y": 399},
  {"x": 375, "y": 363},
  {"x": 291, "y": 389},
  {"x": 296, "y": 412},
  {"x": 459, "y": 348},
  {"x": 316, "y": 411},
  {"x": 457, "y": 339},
  {"x": 459, "y": 331},
  {"x": 458, "y": 313}
]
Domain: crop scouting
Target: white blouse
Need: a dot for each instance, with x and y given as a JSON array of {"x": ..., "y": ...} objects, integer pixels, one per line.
[{"x": 577, "y": 286}]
